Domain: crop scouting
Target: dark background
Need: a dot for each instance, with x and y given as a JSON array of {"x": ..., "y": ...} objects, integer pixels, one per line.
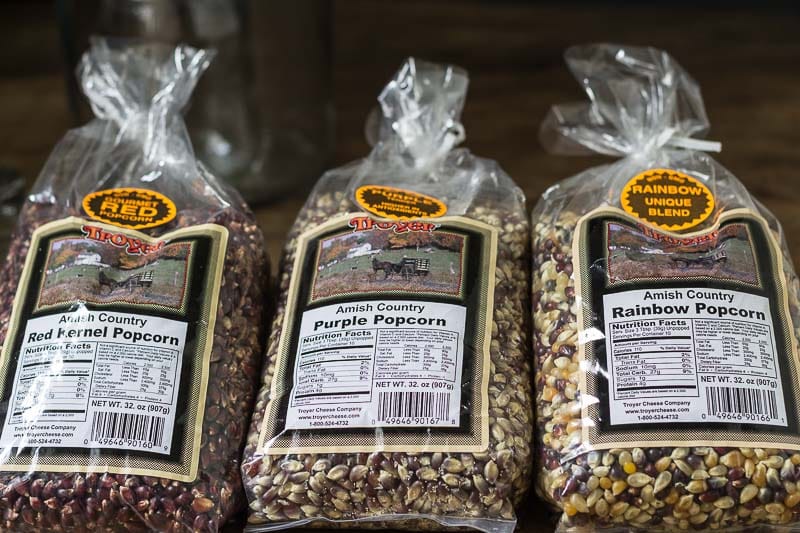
[{"x": 745, "y": 55}]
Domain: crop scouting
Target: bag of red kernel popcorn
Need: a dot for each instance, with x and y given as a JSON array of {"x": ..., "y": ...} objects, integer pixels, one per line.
[
  {"x": 666, "y": 317},
  {"x": 132, "y": 319}
]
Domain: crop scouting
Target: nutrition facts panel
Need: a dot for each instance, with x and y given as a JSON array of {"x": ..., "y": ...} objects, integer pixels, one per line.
[
  {"x": 60, "y": 380},
  {"x": 338, "y": 364},
  {"x": 60, "y": 391},
  {"x": 692, "y": 356},
  {"x": 735, "y": 346},
  {"x": 371, "y": 368},
  {"x": 417, "y": 353},
  {"x": 652, "y": 357},
  {"x": 140, "y": 373}
]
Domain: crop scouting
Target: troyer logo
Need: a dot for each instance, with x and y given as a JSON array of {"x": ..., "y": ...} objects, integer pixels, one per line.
[
  {"x": 398, "y": 226},
  {"x": 131, "y": 245}
]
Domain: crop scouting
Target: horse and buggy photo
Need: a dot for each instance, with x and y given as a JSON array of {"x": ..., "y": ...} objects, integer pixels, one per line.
[
  {"x": 138, "y": 280},
  {"x": 381, "y": 263},
  {"x": 702, "y": 261},
  {"x": 405, "y": 268},
  {"x": 81, "y": 269}
]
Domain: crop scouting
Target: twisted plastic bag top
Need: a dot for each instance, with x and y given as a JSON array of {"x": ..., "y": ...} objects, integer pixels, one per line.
[
  {"x": 643, "y": 106},
  {"x": 421, "y": 111},
  {"x": 142, "y": 91},
  {"x": 415, "y": 143},
  {"x": 640, "y": 99},
  {"x": 138, "y": 138}
]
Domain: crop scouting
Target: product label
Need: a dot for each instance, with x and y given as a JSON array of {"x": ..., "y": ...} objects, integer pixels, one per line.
[
  {"x": 692, "y": 355},
  {"x": 130, "y": 207},
  {"x": 692, "y": 333},
  {"x": 106, "y": 359},
  {"x": 388, "y": 326},
  {"x": 398, "y": 204},
  {"x": 395, "y": 363},
  {"x": 667, "y": 199},
  {"x": 116, "y": 386}
]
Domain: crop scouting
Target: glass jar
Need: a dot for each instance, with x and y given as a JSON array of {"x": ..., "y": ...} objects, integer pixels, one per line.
[{"x": 261, "y": 117}]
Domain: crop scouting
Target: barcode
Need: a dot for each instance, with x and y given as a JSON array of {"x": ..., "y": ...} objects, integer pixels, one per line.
[
  {"x": 409, "y": 404},
  {"x": 743, "y": 401},
  {"x": 128, "y": 426}
]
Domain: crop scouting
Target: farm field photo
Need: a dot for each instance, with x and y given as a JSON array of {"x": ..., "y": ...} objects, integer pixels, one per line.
[
  {"x": 633, "y": 255},
  {"x": 99, "y": 273},
  {"x": 379, "y": 261}
]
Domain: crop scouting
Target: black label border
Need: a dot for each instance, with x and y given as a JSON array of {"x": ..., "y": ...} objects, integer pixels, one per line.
[
  {"x": 198, "y": 283},
  {"x": 595, "y": 238}
]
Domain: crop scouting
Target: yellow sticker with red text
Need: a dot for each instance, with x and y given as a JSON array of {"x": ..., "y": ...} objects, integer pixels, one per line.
[{"x": 130, "y": 207}]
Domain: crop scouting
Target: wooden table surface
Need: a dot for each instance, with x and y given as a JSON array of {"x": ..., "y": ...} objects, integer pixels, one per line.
[{"x": 745, "y": 58}]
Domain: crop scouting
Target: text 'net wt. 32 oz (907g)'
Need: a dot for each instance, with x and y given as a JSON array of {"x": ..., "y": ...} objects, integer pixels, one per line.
[
  {"x": 131, "y": 350},
  {"x": 665, "y": 311},
  {"x": 396, "y": 387}
]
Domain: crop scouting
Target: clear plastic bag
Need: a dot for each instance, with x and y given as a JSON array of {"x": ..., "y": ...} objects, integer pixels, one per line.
[
  {"x": 666, "y": 316},
  {"x": 399, "y": 251},
  {"x": 140, "y": 284}
]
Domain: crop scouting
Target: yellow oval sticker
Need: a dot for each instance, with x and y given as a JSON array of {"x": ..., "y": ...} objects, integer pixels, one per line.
[
  {"x": 668, "y": 199},
  {"x": 398, "y": 204},
  {"x": 129, "y": 207}
]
